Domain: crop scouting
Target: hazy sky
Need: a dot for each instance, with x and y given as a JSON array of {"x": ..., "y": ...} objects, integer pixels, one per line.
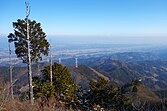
[{"x": 90, "y": 17}]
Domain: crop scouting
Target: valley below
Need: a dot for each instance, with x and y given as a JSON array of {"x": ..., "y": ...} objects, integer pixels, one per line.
[
  {"x": 118, "y": 63},
  {"x": 141, "y": 73}
]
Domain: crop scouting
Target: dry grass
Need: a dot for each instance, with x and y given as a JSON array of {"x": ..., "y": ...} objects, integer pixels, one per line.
[
  {"x": 16, "y": 105},
  {"x": 7, "y": 104}
]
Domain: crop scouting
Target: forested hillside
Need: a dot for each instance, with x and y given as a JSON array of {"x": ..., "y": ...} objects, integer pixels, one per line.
[{"x": 83, "y": 55}]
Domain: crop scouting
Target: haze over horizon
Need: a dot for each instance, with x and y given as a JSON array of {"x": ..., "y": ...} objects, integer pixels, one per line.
[{"x": 93, "y": 21}]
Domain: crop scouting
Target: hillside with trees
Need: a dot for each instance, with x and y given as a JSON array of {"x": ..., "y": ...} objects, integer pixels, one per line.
[
  {"x": 105, "y": 82},
  {"x": 98, "y": 93}
]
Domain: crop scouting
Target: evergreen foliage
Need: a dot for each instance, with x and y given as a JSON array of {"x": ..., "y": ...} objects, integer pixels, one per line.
[
  {"x": 38, "y": 42},
  {"x": 63, "y": 86},
  {"x": 106, "y": 95}
]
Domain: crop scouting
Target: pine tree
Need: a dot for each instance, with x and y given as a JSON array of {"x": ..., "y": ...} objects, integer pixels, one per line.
[
  {"x": 30, "y": 44},
  {"x": 63, "y": 85},
  {"x": 38, "y": 43},
  {"x": 103, "y": 93}
]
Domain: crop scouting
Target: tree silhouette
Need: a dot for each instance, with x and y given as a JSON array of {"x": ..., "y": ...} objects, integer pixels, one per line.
[{"x": 38, "y": 43}]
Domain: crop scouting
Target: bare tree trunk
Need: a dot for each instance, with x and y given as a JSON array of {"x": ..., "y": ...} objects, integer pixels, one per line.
[
  {"x": 10, "y": 70},
  {"x": 29, "y": 56},
  {"x": 11, "y": 83},
  {"x": 51, "y": 66}
]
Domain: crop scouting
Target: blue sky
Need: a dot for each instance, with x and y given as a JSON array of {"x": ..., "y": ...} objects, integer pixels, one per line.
[{"x": 90, "y": 17}]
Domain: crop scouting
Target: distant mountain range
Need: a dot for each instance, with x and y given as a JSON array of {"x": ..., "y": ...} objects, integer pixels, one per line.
[
  {"x": 125, "y": 67},
  {"x": 119, "y": 68}
]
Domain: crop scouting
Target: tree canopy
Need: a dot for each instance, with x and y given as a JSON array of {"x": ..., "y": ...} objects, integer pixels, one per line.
[
  {"x": 106, "y": 95},
  {"x": 63, "y": 85},
  {"x": 38, "y": 43}
]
